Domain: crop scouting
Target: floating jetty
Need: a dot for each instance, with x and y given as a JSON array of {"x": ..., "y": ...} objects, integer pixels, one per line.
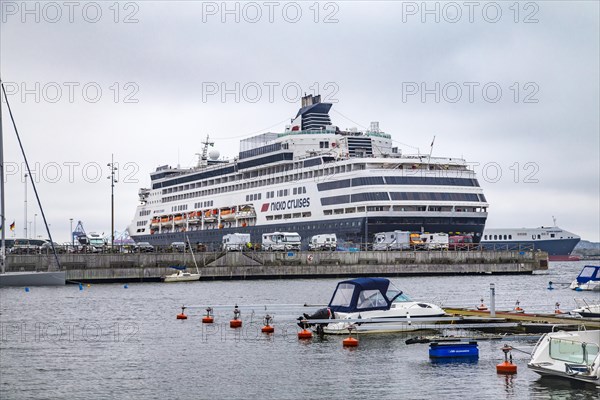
[
  {"x": 130, "y": 267},
  {"x": 530, "y": 323}
]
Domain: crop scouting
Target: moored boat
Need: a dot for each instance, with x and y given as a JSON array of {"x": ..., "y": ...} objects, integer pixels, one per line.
[
  {"x": 572, "y": 355},
  {"x": 181, "y": 276},
  {"x": 371, "y": 301},
  {"x": 588, "y": 279}
]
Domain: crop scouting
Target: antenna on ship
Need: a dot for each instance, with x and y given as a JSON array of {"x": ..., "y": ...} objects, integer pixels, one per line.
[
  {"x": 430, "y": 151},
  {"x": 203, "y": 158},
  {"x": 554, "y": 220}
]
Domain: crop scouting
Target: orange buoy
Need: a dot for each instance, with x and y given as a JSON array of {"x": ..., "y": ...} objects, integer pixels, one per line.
[
  {"x": 236, "y": 322},
  {"x": 267, "y": 321},
  {"x": 557, "y": 308},
  {"x": 506, "y": 367},
  {"x": 482, "y": 306},
  {"x": 350, "y": 342},
  {"x": 518, "y": 308},
  {"x": 182, "y": 315},
  {"x": 208, "y": 318},
  {"x": 305, "y": 334}
]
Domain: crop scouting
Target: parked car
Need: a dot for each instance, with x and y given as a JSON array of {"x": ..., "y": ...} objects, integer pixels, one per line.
[
  {"x": 46, "y": 248},
  {"x": 177, "y": 247},
  {"x": 26, "y": 246},
  {"x": 144, "y": 247}
]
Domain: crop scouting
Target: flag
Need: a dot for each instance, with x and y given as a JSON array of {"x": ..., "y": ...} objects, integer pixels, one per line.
[{"x": 12, "y": 226}]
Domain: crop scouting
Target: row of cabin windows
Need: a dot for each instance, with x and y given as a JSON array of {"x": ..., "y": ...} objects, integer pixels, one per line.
[
  {"x": 270, "y": 180},
  {"x": 289, "y": 216},
  {"x": 387, "y": 208},
  {"x": 204, "y": 204},
  {"x": 143, "y": 213},
  {"x": 182, "y": 207},
  {"x": 497, "y": 237},
  {"x": 253, "y": 197},
  {"x": 286, "y": 192}
]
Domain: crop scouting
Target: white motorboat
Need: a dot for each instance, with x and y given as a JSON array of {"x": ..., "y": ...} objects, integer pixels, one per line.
[
  {"x": 372, "y": 305},
  {"x": 588, "y": 279},
  {"x": 586, "y": 310},
  {"x": 181, "y": 276},
  {"x": 572, "y": 355}
]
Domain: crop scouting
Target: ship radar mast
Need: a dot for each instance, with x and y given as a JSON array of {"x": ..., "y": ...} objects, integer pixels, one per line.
[{"x": 203, "y": 158}]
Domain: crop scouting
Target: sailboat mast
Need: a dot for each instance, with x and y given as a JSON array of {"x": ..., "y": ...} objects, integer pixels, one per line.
[{"x": 2, "y": 217}]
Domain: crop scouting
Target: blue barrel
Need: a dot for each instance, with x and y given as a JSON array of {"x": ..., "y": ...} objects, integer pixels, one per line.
[{"x": 453, "y": 349}]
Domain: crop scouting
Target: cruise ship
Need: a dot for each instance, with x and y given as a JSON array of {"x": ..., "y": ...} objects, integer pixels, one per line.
[
  {"x": 555, "y": 241},
  {"x": 313, "y": 178}
]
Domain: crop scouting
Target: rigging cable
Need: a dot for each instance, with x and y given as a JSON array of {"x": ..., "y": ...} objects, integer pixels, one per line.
[{"x": 31, "y": 180}]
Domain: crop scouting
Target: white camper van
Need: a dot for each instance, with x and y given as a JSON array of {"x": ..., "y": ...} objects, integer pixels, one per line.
[
  {"x": 435, "y": 241},
  {"x": 281, "y": 241},
  {"x": 326, "y": 241},
  {"x": 235, "y": 242},
  {"x": 396, "y": 240}
]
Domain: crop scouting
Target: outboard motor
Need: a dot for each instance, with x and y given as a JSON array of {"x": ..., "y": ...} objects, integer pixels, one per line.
[{"x": 322, "y": 313}]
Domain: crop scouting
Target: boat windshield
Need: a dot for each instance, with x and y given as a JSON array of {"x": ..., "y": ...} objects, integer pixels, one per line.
[
  {"x": 343, "y": 295},
  {"x": 393, "y": 293},
  {"x": 573, "y": 351}
]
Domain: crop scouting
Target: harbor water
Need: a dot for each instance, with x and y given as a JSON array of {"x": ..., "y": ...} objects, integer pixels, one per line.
[{"x": 123, "y": 341}]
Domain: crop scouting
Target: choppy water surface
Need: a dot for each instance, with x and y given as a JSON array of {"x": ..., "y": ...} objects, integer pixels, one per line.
[{"x": 110, "y": 342}]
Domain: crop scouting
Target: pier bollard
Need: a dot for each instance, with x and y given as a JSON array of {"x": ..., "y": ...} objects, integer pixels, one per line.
[{"x": 492, "y": 300}]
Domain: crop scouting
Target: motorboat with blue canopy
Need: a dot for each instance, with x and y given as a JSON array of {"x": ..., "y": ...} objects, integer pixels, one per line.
[
  {"x": 369, "y": 298},
  {"x": 363, "y": 294},
  {"x": 588, "y": 279}
]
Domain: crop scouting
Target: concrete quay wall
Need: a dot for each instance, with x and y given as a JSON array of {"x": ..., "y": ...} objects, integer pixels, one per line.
[{"x": 281, "y": 265}]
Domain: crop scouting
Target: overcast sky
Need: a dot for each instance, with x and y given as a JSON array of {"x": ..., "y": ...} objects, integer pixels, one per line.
[{"x": 514, "y": 88}]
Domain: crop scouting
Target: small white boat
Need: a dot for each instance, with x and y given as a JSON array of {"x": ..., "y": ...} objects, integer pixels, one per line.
[
  {"x": 572, "y": 355},
  {"x": 588, "y": 279},
  {"x": 586, "y": 310},
  {"x": 181, "y": 276},
  {"x": 367, "y": 304}
]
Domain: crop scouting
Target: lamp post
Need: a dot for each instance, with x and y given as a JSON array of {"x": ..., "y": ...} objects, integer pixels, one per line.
[
  {"x": 71, "y": 230},
  {"x": 113, "y": 170},
  {"x": 25, "y": 207},
  {"x": 34, "y": 226}
]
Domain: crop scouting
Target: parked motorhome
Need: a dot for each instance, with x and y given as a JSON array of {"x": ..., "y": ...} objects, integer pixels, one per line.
[
  {"x": 396, "y": 240},
  {"x": 281, "y": 241},
  {"x": 235, "y": 242},
  {"x": 326, "y": 241},
  {"x": 435, "y": 241}
]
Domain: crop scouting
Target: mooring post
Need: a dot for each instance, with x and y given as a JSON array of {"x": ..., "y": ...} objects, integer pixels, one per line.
[{"x": 492, "y": 300}]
